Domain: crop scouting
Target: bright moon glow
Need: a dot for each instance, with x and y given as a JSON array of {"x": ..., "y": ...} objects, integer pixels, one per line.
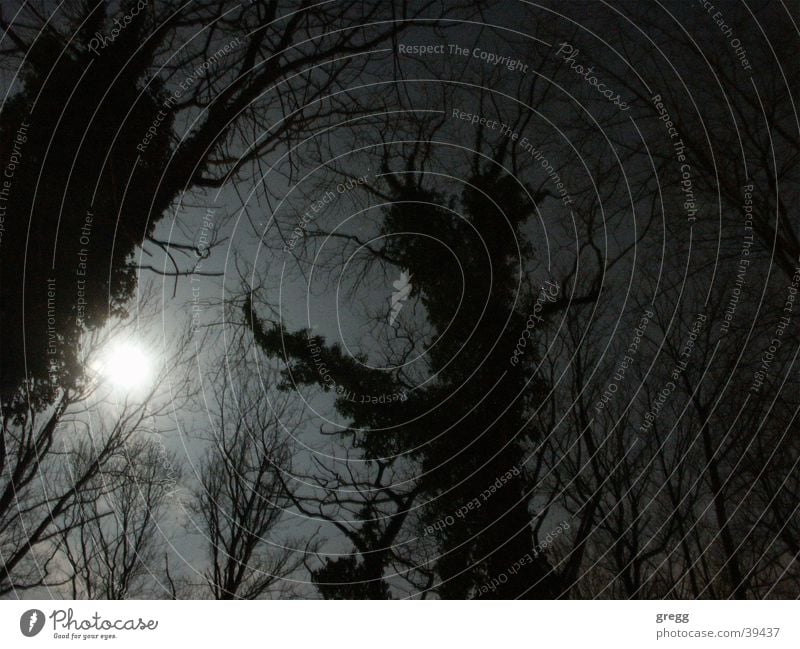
[{"x": 125, "y": 366}]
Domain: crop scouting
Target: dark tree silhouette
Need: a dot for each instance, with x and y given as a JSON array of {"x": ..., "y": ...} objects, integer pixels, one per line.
[{"x": 467, "y": 430}]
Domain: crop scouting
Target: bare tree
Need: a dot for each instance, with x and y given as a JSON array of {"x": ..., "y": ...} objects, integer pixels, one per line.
[
  {"x": 241, "y": 496},
  {"x": 113, "y": 543}
]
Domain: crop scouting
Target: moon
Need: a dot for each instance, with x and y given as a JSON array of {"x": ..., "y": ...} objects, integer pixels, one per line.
[{"x": 125, "y": 365}]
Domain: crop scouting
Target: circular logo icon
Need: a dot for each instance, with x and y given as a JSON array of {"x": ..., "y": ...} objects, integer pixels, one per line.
[{"x": 31, "y": 622}]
